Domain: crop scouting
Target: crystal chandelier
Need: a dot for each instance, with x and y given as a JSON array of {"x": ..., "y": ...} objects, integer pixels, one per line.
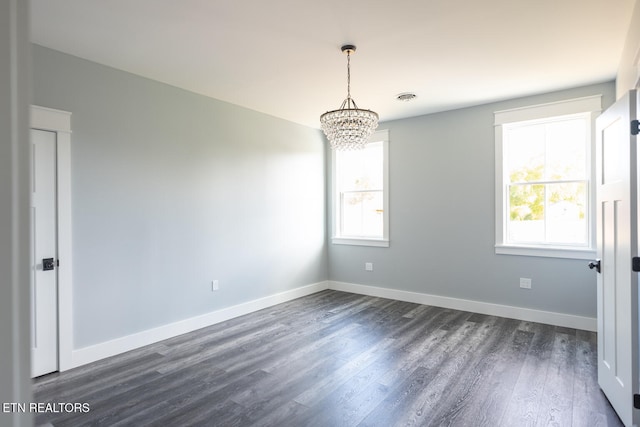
[{"x": 349, "y": 127}]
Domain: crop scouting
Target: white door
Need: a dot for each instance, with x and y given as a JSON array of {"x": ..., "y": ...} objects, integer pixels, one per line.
[
  {"x": 44, "y": 280},
  {"x": 617, "y": 241}
]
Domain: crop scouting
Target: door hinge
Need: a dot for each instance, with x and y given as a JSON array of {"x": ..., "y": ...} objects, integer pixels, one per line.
[
  {"x": 636, "y": 401},
  {"x": 635, "y": 127},
  {"x": 57, "y": 263},
  {"x": 635, "y": 263}
]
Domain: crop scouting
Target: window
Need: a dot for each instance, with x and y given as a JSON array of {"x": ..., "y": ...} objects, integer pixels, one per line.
[
  {"x": 361, "y": 196},
  {"x": 544, "y": 196}
]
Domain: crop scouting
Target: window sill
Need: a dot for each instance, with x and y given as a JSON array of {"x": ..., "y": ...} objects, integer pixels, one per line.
[
  {"x": 359, "y": 241},
  {"x": 549, "y": 252}
]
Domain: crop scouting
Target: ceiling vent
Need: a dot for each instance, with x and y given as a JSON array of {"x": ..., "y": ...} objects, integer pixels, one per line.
[{"x": 407, "y": 96}]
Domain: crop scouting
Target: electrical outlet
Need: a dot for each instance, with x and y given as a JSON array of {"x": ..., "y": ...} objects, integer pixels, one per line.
[
  {"x": 525, "y": 283},
  {"x": 368, "y": 266},
  {"x": 215, "y": 285}
]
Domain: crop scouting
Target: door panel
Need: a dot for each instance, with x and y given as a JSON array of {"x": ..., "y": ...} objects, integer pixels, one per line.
[
  {"x": 617, "y": 235},
  {"x": 44, "y": 283}
]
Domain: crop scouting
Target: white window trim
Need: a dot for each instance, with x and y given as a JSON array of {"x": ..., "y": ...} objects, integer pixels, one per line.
[
  {"x": 591, "y": 105},
  {"x": 381, "y": 135}
]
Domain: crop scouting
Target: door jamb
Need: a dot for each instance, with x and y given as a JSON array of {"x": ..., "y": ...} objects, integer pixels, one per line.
[{"x": 58, "y": 121}]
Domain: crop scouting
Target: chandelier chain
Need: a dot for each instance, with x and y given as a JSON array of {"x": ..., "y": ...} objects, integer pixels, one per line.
[{"x": 348, "y": 75}]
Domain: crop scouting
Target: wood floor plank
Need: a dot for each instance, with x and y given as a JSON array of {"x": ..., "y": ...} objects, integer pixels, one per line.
[
  {"x": 481, "y": 399},
  {"x": 418, "y": 395},
  {"x": 283, "y": 415},
  {"x": 455, "y": 374},
  {"x": 309, "y": 346},
  {"x": 359, "y": 395},
  {"x": 129, "y": 402},
  {"x": 344, "y": 372},
  {"x": 276, "y": 390},
  {"x": 434, "y": 349},
  {"x": 101, "y": 380},
  {"x": 590, "y": 408},
  {"x": 339, "y": 359},
  {"x": 204, "y": 404},
  {"x": 557, "y": 402},
  {"x": 348, "y": 404},
  {"x": 526, "y": 398}
]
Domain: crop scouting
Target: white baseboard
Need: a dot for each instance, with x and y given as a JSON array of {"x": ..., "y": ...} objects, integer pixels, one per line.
[
  {"x": 110, "y": 348},
  {"x": 527, "y": 314}
]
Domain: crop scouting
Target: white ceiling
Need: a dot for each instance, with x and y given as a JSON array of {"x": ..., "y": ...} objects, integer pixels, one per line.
[{"x": 282, "y": 57}]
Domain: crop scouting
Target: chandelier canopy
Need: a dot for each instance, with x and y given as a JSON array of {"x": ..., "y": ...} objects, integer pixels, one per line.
[{"x": 349, "y": 127}]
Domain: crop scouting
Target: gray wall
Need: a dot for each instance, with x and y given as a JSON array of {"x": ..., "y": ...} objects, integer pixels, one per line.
[
  {"x": 442, "y": 227},
  {"x": 171, "y": 190}
]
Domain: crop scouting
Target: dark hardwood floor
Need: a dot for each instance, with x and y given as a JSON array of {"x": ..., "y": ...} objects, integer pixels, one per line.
[{"x": 340, "y": 359}]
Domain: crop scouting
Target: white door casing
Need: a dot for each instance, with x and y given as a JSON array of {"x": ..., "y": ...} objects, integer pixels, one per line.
[
  {"x": 59, "y": 122},
  {"x": 617, "y": 242}
]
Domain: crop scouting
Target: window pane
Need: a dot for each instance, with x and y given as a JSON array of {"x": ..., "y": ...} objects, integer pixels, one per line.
[
  {"x": 361, "y": 169},
  {"x": 362, "y": 214},
  {"x": 526, "y": 213},
  {"x": 566, "y": 214},
  {"x": 548, "y": 213},
  {"x": 566, "y": 150},
  {"x": 547, "y": 151},
  {"x": 525, "y": 153}
]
